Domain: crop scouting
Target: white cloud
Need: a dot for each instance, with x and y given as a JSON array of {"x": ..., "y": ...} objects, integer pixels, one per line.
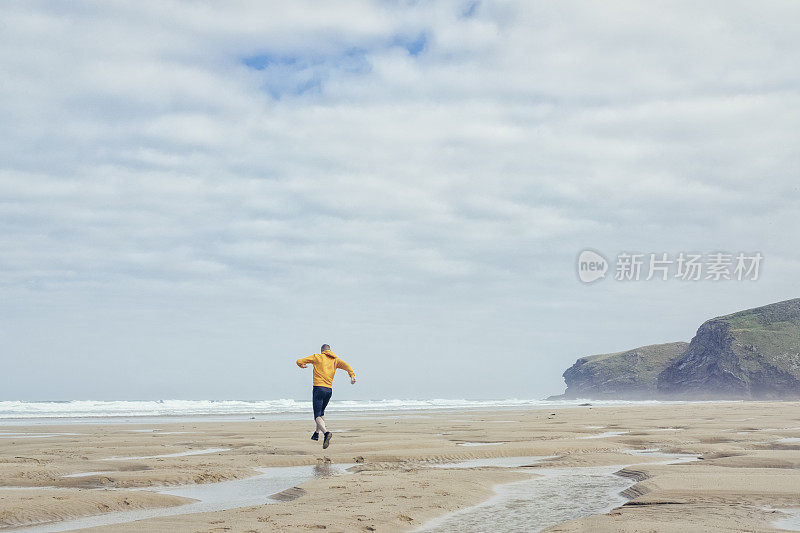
[{"x": 388, "y": 155}]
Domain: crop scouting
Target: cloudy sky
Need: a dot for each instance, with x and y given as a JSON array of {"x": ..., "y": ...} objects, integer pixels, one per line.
[{"x": 194, "y": 195}]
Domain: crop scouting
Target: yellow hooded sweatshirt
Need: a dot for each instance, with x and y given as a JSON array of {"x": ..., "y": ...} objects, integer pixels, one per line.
[{"x": 325, "y": 365}]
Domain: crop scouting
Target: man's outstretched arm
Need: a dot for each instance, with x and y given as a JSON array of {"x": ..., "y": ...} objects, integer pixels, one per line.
[
  {"x": 343, "y": 365},
  {"x": 304, "y": 361}
]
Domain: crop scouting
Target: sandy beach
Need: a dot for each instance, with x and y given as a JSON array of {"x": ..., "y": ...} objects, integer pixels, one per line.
[{"x": 394, "y": 473}]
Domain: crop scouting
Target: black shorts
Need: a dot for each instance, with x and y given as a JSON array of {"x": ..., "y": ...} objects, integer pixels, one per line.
[{"x": 320, "y": 397}]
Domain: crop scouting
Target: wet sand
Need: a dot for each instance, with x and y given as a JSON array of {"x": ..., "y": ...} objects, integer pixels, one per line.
[{"x": 749, "y": 467}]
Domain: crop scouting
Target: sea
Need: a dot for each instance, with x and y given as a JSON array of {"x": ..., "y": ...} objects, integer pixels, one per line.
[{"x": 140, "y": 411}]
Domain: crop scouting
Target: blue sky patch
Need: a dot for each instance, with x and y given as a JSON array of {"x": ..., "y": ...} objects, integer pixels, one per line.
[
  {"x": 302, "y": 72},
  {"x": 469, "y": 10},
  {"x": 297, "y": 74},
  {"x": 413, "y": 45}
]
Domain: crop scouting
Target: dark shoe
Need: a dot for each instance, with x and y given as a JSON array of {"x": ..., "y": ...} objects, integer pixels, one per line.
[
  {"x": 327, "y": 441},
  {"x": 315, "y": 436}
]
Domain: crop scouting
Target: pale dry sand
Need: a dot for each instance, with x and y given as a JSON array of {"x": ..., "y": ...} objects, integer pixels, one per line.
[{"x": 745, "y": 470}]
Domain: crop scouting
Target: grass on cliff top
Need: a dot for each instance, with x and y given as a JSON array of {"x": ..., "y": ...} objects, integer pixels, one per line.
[
  {"x": 769, "y": 334},
  {"x": 640, "y": 365},
  {"x": 660, "y": 351},
  {"x": 774, "y": 317}
]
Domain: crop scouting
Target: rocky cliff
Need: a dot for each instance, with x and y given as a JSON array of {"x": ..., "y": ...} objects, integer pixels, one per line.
[
  {"x": 632, "y": 374},
  {"x": 753, "y": 354}
]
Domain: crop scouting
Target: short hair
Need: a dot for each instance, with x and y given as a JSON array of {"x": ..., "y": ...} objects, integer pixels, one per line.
[{"x": 325, "y": 347}]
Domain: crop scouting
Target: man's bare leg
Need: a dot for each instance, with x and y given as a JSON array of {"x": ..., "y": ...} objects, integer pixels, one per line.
[
  {"x": 326, "y": 434},
  {"x": 321, "y": 425}
]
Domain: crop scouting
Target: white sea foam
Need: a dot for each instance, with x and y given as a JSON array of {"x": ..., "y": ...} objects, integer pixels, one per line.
[{"x": 15, "y": 410}]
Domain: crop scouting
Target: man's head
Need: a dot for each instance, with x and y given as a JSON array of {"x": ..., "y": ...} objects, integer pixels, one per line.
[{"x": 325, "y": 347}]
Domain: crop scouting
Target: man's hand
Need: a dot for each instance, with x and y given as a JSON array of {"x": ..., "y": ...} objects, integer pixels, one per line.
[{"x": 352, "y": 381}]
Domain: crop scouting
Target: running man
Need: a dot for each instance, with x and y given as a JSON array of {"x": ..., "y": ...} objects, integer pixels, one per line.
[{"x": 325, "y": 365}]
